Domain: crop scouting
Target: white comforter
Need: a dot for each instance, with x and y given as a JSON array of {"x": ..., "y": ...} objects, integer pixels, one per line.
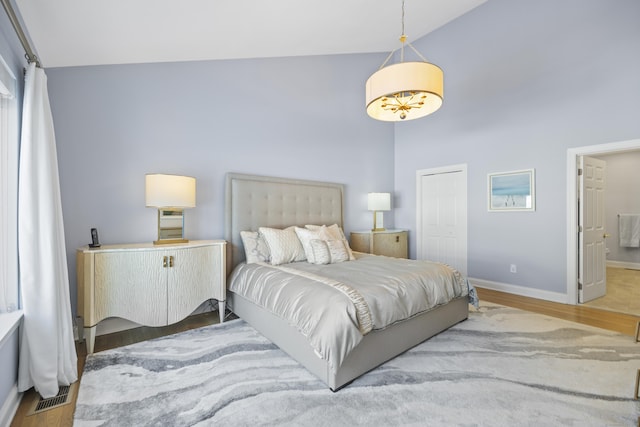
[{"x": 335, "y": 305}]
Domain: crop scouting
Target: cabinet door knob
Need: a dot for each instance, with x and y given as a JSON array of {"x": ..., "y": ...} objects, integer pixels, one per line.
[
  {"x": 164, "y": 261},
  {"x": 171, "y": 261},
  {"x": 397, "y": 239}
]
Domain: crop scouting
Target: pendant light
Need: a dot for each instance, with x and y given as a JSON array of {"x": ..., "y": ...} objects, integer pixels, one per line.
[{"x": 406, "y": 90}]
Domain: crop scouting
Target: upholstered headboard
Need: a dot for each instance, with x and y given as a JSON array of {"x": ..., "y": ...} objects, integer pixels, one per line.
[{"x": 259, "y": 201}]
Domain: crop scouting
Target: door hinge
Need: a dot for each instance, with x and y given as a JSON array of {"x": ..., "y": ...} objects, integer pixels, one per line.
[
  {"x": 579, "y": 286},
  {"x": 579, "y": 229},
  {"x": 579, "y": 172}
]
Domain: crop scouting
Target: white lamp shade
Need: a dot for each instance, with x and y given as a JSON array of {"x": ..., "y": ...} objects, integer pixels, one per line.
[
  {"x": 379, "y": 201},
  {"x": 170, "y": 191},
  {"x": 399, "y": 80}
]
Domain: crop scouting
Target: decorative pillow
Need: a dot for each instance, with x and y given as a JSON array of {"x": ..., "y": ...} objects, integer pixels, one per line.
[
  {"x": 329, "y": 251},
  {"x": 305, "y": 236},
  {"x": 334, "y": 232},
  {"x": 284, "y": 245},
  {"x": 319, "y": 252},
  {"x": 255, "y": 248}
]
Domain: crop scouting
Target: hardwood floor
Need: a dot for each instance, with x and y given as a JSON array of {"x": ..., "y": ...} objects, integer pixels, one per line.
[
  {"x": 623, "y": 292},
  {"x": 63, "y": 416},
  {"x": 613, "y": 321}
]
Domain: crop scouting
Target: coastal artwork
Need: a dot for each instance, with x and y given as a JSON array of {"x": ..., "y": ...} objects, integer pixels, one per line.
[{"x": 512, "y": 191}]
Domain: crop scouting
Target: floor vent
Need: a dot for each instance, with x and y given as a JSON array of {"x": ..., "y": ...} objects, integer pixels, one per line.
[{"x": 64, "y": 396}]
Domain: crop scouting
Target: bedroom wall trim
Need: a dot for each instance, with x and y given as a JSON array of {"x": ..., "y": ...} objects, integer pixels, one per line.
[
  {"x": 520, "y": 290},
  {"x": 623, "y": 264},
  {"x": 572, "y": 208},
  {"x": 10, "y": 406}
]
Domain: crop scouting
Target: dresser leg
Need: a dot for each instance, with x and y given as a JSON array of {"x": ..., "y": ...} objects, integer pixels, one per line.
[
  {"x": 221, "y": 307},
  {"x": 90, "y": 338}
]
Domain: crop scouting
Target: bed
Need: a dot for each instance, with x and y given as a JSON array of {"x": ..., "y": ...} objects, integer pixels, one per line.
[{"x": 258, "y": 201}]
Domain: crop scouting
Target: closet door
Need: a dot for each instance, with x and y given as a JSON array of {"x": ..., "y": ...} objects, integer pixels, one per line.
[{"x": 442, "y": 216}]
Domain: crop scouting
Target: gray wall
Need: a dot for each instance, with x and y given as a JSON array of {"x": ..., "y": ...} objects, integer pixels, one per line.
[
  {"x": 12, "y": 53},
  {"x": 622, "y": 196},
  {"x": 524, "y": 81},
  {"x": 291, "y": 117}
]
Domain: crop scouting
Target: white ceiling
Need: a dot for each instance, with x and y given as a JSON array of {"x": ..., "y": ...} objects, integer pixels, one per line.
[{"x": 90, "y": 32}]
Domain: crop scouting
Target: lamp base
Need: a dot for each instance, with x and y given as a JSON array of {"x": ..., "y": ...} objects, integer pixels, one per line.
[
  {"x": 170, "y": 241},
  {"x": 378, "y": 221}
]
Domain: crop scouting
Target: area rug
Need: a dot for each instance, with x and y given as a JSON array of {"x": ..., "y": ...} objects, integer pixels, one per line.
[{"x": 501, "y": 367}]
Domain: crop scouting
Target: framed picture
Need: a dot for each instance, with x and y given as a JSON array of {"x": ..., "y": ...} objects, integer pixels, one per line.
[{"x": 512, "y": 191}]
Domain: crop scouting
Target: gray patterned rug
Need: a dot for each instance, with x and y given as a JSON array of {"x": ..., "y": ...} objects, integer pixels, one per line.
[{"x": 502, "y": 367}]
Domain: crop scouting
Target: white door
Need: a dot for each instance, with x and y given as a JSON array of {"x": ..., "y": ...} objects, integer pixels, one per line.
[
  {"x": 592, "y": 271},
  {"x": 442, "y": 216}
]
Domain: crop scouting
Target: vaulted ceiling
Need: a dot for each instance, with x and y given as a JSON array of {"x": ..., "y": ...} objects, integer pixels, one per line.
[{"x": 91, "y": 32}]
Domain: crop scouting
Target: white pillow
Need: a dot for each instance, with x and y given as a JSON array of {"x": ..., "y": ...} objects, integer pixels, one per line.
[
  {"x": 339, "y": 250},
  {"x": 319, "y": 252},
  {"x": 284, "y": 245},
  {"x": 329, "y": 251},
  {"x": 334, "y": 232},
  {"x": 306, "y": 236},
  {"x": 255, "y": 248}
]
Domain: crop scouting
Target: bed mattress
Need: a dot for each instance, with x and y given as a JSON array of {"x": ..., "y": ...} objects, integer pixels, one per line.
[{"x": 334, "y": 306}]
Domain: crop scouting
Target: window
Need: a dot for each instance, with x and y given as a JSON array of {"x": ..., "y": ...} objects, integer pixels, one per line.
[{"x": 8, "y": 191}]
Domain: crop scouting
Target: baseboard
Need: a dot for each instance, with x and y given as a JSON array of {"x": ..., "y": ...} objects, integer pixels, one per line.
[
  {"x": 520, "y": 290},
  {"x": 10, "y": 406},
  {"x": 623, "y": 264}
]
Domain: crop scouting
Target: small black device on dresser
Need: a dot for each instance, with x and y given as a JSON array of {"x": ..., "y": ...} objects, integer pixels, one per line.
[{"x": 95, "y": 242}]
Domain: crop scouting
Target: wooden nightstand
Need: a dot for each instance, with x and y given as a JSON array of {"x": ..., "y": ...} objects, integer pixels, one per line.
[
  {"x": 391, "y": 243},
  {"x": 153, "y": 285}
]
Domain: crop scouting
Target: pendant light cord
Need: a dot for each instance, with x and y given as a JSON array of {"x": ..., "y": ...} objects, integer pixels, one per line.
[
  {"x": 403, "y": 36},
  {"x": 403, "y": 40},
  {"x": 402, "y": 17}
]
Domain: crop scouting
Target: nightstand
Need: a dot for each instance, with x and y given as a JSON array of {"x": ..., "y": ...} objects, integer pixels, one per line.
[{"x": 391, "y": 243}]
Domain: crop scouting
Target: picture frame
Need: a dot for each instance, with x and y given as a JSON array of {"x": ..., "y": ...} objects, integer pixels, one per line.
[{"x": 512, "y": 191}]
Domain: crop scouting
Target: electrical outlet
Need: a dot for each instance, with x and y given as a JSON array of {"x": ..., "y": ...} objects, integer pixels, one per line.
[{"x": 513, "y": 268}]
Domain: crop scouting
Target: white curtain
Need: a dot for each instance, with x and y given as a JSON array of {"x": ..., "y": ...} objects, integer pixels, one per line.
[{"x": 47, "y": 351}]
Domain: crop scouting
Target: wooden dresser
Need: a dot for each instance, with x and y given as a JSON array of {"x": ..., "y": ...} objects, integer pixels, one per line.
[{"x": 153, "y": 285}]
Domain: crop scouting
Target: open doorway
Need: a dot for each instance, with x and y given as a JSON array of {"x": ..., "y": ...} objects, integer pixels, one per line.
[
  {"x": 623, "y": 291},
  {"x": 573, "y": 251}
]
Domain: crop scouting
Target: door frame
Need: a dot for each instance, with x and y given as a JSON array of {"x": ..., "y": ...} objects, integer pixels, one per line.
[
  {"x": 572, "y": 204},
  {"x": 437, "y": 171}
]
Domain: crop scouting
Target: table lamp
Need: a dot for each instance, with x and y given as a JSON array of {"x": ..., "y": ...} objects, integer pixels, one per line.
[
  {"x": 170, "y": 194},
  {"x": 378, "y": 202}
]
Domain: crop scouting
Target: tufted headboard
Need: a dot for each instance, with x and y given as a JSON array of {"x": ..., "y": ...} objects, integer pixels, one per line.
[{"x": 253, "y": 201}]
